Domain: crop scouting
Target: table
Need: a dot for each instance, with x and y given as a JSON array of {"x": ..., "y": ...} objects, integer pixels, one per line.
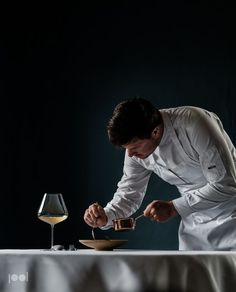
[{"x": 117, "y": 271}]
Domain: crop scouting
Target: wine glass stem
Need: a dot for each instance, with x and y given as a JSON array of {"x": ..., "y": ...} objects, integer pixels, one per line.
[{"x": 52, "y": 235}]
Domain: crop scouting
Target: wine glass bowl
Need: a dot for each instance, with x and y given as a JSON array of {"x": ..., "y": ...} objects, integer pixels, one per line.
[{"x": 52, "y": 210}]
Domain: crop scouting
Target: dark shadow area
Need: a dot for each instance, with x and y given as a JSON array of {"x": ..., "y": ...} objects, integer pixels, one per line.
[{"x": 63, "y": 70}]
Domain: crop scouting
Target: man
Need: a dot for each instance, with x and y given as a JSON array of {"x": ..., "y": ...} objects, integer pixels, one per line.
[{"x": 187, "y": 147}]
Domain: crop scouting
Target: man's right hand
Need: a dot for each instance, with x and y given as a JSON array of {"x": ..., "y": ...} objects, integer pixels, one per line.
[{"x": 95, "y": 216}]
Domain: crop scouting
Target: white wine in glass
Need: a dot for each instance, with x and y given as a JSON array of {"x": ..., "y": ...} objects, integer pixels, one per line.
[{"x": 52, "y": 211}]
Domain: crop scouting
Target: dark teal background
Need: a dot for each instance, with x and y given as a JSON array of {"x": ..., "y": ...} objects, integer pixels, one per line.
[{"x": 62, "y": 71}]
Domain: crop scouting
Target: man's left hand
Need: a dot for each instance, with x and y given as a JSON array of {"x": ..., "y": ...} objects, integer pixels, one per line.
[{"x": 160, "y": 211}]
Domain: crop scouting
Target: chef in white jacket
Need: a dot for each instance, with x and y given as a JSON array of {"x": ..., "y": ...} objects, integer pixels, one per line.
[{"x": 187, "y": 147}]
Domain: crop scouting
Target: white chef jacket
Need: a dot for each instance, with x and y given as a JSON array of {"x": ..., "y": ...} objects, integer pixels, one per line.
[{"x": 197, "y": 156}]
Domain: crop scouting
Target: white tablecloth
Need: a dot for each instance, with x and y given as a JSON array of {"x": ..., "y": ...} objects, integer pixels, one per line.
[{"x": 117, "y": 271}]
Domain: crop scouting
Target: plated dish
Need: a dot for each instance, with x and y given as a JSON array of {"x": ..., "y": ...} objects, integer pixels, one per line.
[{"x": 103, "y": 244}]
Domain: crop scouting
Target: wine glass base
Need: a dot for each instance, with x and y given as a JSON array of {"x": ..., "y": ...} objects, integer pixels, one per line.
[{"x": 54, "y": 248}]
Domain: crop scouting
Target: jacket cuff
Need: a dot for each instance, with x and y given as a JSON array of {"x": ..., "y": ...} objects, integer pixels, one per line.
[{"x": 110, "y": 216}]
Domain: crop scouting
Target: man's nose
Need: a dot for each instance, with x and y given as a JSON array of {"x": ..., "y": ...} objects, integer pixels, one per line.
[{"x": 131, "y": 153}]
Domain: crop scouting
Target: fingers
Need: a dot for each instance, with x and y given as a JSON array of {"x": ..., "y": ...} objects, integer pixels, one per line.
[
  {"x": 160, "y": 211},
  {"x": 89, "y": 219},
  {"x": 95, "y": 215},
  {"x": 94, "y": 210},
  {"x": 151, "y": 209},
  {"x": 154, "y": 211},
  {"x": 91, "y": 215}
]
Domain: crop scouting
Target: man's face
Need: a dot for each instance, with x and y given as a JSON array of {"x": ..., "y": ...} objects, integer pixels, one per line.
[{"x": 142, "y": 148}]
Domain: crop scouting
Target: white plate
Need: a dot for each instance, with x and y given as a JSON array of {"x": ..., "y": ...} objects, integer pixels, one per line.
[{"x": 103, "y": 244}]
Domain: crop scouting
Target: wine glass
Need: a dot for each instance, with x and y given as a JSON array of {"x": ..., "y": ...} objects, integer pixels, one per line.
[{"x": 52, "y": 211}]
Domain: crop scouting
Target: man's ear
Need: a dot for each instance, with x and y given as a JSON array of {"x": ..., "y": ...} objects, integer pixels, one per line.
[{"x": 156, "y": 132}]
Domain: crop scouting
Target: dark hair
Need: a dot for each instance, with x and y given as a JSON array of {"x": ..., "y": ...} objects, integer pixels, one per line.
[{"x": 133, "y": 118}]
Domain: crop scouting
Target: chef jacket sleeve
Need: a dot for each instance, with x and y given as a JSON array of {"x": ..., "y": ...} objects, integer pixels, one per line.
[
  {"x": 130, "y": 192},
  {"x": 217, "y": 158}
]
